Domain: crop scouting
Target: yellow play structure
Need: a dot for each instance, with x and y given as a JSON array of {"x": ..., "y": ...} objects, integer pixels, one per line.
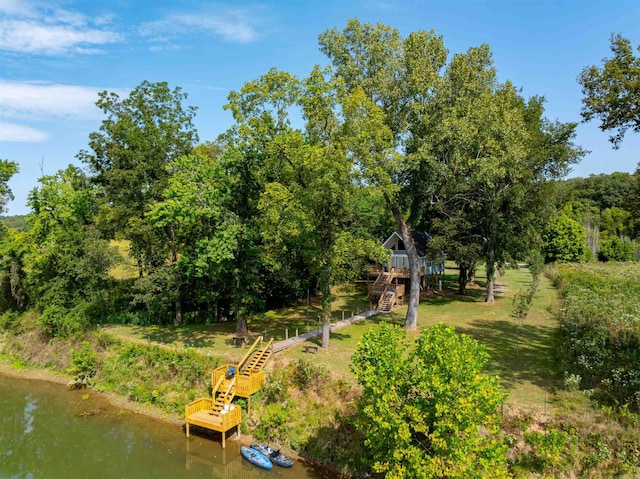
[{"x": 228, "y": 381}]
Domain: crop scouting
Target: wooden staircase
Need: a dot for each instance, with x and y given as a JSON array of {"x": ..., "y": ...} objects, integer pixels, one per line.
[
  {"x": 256, "y": 361},
  {"x": 223, "y": 395},
  {"x": 228, "y": 381},
  {"x": 387, "y": 301}
]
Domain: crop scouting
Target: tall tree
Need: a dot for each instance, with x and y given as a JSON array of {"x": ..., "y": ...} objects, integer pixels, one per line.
[
  {"x": 128, "y": 159},
  {"x": 129, "y": 156},
  {"x": 486, "y": 155},
  {"x": 67, "y": 259},
  {"x": 387, "y": 76},
  {"x": 611, "y": 92},
  {"x": 306, "y": 209}
]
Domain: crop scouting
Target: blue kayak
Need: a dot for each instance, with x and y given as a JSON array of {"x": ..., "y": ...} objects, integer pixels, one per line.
[
  {"x": 255, "y": 457},
  {"x": 274, "y": 456}
]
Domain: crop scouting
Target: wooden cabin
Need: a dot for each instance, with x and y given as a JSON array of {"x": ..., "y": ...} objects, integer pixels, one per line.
[{"x": 389, "y": 281}]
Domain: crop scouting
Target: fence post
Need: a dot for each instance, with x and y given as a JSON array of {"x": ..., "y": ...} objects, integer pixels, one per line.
[
  {"x": 286, "y": 334},
  {"x": 343, "y": 314},
  {"x": 296, "y": 333}
]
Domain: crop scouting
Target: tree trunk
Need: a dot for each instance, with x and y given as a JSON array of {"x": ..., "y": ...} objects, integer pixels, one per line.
[
  {"x": 471, "y": 276},
  {"x": 241, "y": 326},
  {"x": 462, "y": 279},
  {"x": 491, "y": 273},
  {"x": 325, "y": 288},
  {"x": 178, "y": 318},
  {"x": 174, "y": 259},
  {"x": 411, "y": 320}
]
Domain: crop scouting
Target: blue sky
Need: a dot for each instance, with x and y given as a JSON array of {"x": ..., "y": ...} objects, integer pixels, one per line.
[{"x": 55, "y": 56}]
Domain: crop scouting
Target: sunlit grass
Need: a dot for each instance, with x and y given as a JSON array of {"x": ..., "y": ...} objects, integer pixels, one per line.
[{"x": 522, "y": 357}]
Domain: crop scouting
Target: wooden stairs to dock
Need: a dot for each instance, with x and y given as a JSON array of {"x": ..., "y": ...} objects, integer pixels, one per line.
[{"x": 228, "y": 381}]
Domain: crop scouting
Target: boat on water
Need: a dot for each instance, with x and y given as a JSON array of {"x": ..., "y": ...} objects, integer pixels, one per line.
[
  {"x": 255, "y": 457},
  {"x": 274, "y": 456}
]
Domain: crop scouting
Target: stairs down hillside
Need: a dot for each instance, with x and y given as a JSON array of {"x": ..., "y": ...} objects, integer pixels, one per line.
[{"x": 257, "y": 361}]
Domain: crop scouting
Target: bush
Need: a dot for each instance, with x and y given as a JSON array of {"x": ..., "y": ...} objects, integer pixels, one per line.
[
  {"x": 616, "y": 249},
  {"x": 83, "y": 364},
  {"x": 421, "y": 409},
  {"x": 600, "y": 328}
]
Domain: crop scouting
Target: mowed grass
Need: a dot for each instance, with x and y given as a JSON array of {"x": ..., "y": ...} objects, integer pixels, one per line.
[
  {"x": 217, "y": 338},
  {"x": 522, "y": 356}
]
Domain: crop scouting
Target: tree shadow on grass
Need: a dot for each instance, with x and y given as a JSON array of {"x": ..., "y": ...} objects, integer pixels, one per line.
[
  {"x": 517, "y": 354},
  {"x": 185, "y": 336}
]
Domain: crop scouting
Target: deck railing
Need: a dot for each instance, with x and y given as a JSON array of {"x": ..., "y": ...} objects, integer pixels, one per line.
[
  {"x": 202, "y": 404},
  {"x": 245, "y": 385}
]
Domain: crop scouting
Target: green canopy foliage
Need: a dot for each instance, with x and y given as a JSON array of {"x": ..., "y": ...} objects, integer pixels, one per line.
[
  {"x": 610, "y": 92},
  {"x": 427, "y": 411},
  {"x": 564, "y": 240}
]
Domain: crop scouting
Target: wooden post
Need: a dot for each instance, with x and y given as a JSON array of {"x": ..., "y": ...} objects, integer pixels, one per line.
[
  {"x": 223, "y": 435},
  {"x": 343, "y": 314},
  {"x": 286, "y": 334},
  {"x": 187, "y": 429},
  {"x": 296, "y": 333}
]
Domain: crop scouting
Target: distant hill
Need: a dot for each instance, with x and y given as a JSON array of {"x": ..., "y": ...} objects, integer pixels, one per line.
[{"x": 18, "y": 222}]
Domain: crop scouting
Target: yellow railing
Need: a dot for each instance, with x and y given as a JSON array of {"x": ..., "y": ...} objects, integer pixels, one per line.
[
  {"x": 248, "y": 385},
  {"x": 230, "y": 417},
  {"x": 249, "y": 353},
  {"x": 245, "y": 385},
  {"x": 201, "y": 404}
]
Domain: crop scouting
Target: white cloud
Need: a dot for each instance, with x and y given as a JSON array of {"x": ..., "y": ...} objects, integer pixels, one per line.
[
  {"x": 20, "y": 133},
  {"x": 39, "y": 100},
  {"x": 31, "y": 27},
  {"x": 236, "y": 26}
]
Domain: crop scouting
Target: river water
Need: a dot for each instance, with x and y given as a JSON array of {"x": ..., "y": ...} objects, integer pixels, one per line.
[{"x": 49, "y": 432}]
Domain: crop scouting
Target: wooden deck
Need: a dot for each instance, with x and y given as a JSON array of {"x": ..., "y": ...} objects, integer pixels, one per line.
[
  {"x": 201, "y": 413},
  {"x": 228, "y": 381}
]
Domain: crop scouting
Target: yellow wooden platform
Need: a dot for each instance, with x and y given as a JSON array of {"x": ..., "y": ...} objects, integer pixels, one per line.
[
  {"x": 200, "y": 413},
  {"x": 218, "y": 413}
]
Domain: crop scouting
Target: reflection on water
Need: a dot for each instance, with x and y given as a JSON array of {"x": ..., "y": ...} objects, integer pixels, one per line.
[{"x": 49, "y": 432}]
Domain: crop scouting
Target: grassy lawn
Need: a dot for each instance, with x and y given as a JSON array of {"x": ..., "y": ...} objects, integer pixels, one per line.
[{"x": 521, "y": 357}]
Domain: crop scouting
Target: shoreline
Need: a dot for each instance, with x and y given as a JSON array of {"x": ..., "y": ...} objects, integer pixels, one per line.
[{"x": 113, "y": 399}]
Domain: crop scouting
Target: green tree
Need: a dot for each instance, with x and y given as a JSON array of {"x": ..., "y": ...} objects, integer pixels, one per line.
[
  {"x": 428, "y": 411},
  {"x": 389, "y": 79},
  {"x": 128, "y": 159},
  {"x": 210, "y": 238},
  {"x": 564, "y": 240},
  {"x": 486, "y": 155},
  {"x": 615, "y": 222},
  {"x": 67, "y": 260},
  {"x": 610, "y": 92},
  {"x": 308, "y": 207},
  {"x": 13, "y": 248},
  {"x": 7, "y": 170}
]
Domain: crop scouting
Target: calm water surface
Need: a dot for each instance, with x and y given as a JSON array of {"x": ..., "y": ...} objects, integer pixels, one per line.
[{"x": 48, "y": 432}]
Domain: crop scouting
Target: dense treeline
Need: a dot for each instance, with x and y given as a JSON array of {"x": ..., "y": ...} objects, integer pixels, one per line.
[
  {"x": 606, "y": 209},
  {"x": 394, "y": 134}
]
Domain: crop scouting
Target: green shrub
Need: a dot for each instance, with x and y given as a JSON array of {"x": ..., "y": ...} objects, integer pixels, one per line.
[
  {"x": 83, "y": 364},
  {"x": 616, "y": 249},
  {"x": 274, "y": 423},
  {"x": 600, "y": 328}
]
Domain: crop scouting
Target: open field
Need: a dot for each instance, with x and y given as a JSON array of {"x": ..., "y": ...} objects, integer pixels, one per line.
[{"x": 522, "y": 357}]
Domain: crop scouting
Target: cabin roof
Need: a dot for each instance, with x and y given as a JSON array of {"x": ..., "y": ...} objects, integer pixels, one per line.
[{"x": 420, "y": 238}]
